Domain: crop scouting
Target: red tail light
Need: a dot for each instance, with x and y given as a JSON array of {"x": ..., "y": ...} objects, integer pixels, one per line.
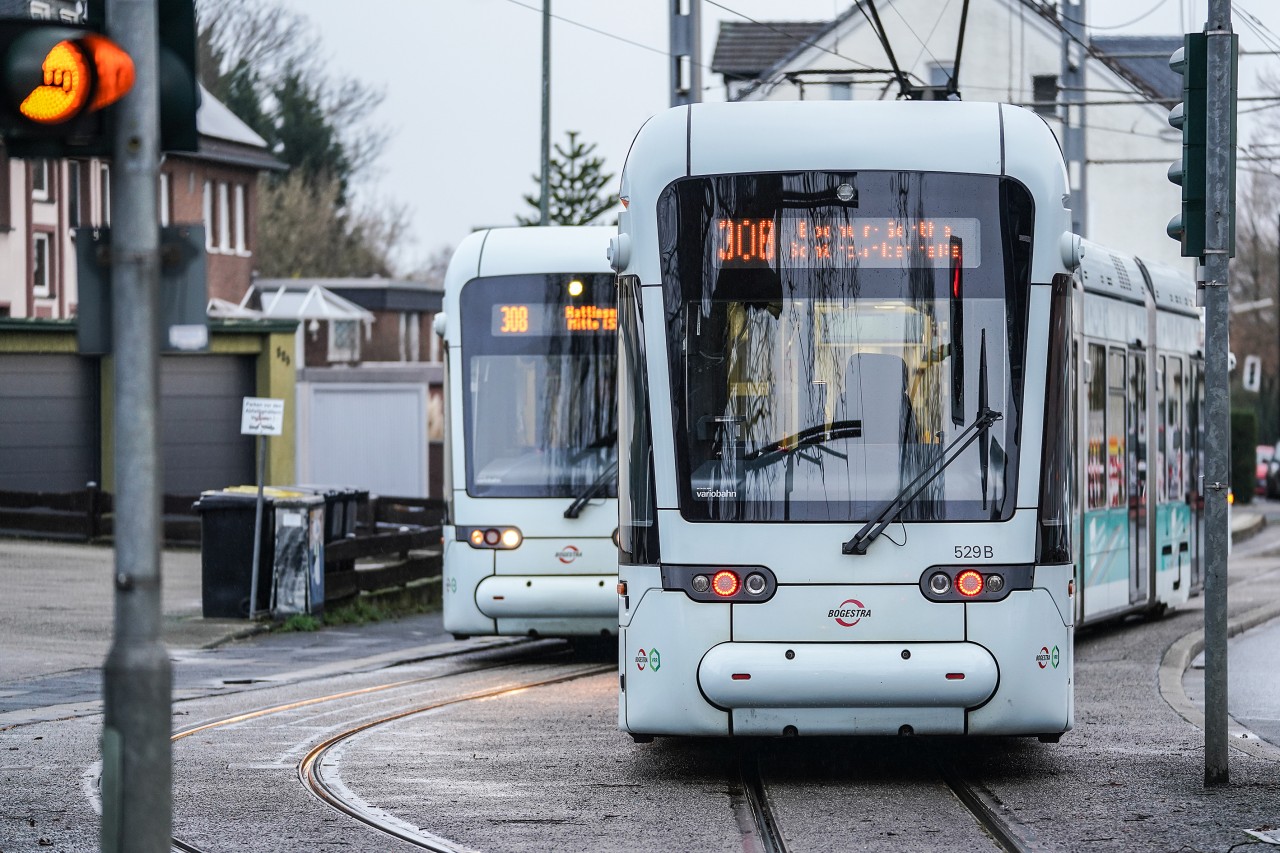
[
  {"x": 969, "y": 583},
  {"x": 725, "y": 583}
]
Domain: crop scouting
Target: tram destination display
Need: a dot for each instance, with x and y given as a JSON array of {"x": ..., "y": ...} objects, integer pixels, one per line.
[
  {"x": 542, "y": 320},
  {"x": 835, "y": 241}
]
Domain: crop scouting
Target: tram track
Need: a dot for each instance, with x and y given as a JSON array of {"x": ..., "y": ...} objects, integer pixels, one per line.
[
  {"x": 762, "y": 832},
  {"x": 310, "y": 769},
  {"x": 373, "y": 690}
]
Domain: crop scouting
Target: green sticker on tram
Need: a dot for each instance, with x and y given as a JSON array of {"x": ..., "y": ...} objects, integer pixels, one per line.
[
  {"x": 655, "y": 660},
  {"x": 1055, "y": 657}
]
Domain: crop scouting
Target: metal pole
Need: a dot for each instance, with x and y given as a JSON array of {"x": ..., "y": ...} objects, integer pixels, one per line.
[
  {"x": 257, "y": 528},
  {"x": 686, "y": 35},
  {"x": 137, "y": 679},
  {"x": 1218, "y": 164},
  {"x": 544, "y": 203},
  {"x": 1073, "y": 123}
]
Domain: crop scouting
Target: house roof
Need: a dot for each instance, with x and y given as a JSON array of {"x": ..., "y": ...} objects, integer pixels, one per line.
[
  {"x": 374, "y": 294},
  {"x": 224, "y": 138},
  {"x": 301, "y": 299},
  {"x": 744, "y": 49},
  {"x": 1143, "y": 61}
]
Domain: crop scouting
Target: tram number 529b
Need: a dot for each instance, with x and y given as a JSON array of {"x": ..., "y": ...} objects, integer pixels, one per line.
[{"x": 975, "y": 552}]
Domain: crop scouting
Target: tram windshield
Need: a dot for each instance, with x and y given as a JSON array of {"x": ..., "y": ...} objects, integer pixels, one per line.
[
  {"x": 829, "y": 334},
  {"x": 539, "y": 356}
]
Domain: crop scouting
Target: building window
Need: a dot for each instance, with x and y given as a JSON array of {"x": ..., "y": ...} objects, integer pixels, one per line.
[
  {"x": 166, "y": 200},
  {"x": 940, "y": 74},
  {"x": 104, "y": 193},
  {"x": 40, "y": 180},
  {"x": 241, "y": 244},
  {"x": 841, "y": 90},
  {"x": 69, "y": 16},
  {"x": 73, "y": 195},
  {"x": 1044, "y": 94},
  {"x": 42, "y": 264},
  {"x": 224, "y": 216},
  {"x": 40, "y": 10},
  {"x": 344, "y": 340},
  {"x": 209, "y": 236}
]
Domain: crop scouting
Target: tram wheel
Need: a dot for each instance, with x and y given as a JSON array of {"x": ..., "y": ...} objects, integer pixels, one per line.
[
  {"x": 462, "y": 636},
  {"x": 635, "y": 738},
  {"x": 1050, "y": 738},
  {"x": 1155, "y": 612}
]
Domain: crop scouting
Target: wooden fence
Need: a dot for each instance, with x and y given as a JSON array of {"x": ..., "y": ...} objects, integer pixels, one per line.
[{"x": 397, "y": 541}]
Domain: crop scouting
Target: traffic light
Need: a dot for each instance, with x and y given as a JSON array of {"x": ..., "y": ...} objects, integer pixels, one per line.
[
  {"x": 179, "y": 95},
  {"x": 56, "y": 81},
  {"x": 1191, "y": 61}
]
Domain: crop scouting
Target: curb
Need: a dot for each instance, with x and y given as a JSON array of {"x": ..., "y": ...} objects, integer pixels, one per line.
[
  {"x": 1246, "y": 532},
  {"x": 1179, "y": 656}
]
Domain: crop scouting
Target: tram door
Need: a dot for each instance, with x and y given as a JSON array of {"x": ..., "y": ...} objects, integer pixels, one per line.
[
  {"x": 1195, "y": 472},
  {"x": 1136, "y": 466}
]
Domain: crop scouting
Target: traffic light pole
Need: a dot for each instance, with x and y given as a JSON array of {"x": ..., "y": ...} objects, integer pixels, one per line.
[
  {"x": 137, "y": 690},
  {"x": 1219, "y": 163}
]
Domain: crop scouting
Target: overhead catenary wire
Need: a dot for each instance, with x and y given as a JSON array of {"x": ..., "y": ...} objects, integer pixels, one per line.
[
  {"x": 1144, "y": 15},
  {"x": 601, "y": 32}
]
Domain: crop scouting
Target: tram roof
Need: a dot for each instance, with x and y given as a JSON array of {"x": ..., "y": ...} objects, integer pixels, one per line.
[{"x": 512, "y": 251}]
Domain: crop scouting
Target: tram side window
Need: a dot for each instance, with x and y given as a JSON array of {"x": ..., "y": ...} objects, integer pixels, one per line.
[
  {"x": 1115, "y": 429},
  {"x": 1096, "y": 465},
  {"x": 1174, "y": 461},
  {"x": 1162, "y": 430}
]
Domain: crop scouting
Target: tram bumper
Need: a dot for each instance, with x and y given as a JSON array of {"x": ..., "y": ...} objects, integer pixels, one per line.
[
  {"x": 548, "y": 597},
  {"x": 847, "y": 688}
]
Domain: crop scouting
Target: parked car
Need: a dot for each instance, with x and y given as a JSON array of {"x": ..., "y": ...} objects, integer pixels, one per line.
[{"x": 1266, "y": 454}]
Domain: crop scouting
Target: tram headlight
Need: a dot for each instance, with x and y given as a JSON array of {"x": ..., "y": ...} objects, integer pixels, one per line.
[
  {"x": 503, "y": 538},
  {"x": 700, "y": 583},
  {"x": 617, "y": 538},
  {"x": 969, "y": 583},
  {"x": 725, "y": 583},
  {"x": 995, "y": 583},
  {"x": 756, "y": 583},
  {"x": 940, "y": 583}
]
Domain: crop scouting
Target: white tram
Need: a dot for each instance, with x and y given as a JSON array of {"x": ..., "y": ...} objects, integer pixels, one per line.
[
  {"x": 530, "y": 326},
  {"x": 847, "y": 414}
]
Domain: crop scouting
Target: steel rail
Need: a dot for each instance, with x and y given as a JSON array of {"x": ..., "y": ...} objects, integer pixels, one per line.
[
  {"x": 311, "y": 777},
  {"x": 185, "y": 847},
  {"x": 983, "y": 807},
  {"x": 768, "y": 831}
]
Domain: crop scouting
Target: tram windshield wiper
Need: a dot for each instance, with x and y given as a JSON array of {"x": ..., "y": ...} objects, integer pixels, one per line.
[
  {"x": 893, "y": 508},
  {"x": 813, "y": 436},
  {"x": 609, "y": 474}
]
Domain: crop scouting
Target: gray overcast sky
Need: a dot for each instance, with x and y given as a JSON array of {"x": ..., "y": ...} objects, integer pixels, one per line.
[{"x": 463, "y": 85}]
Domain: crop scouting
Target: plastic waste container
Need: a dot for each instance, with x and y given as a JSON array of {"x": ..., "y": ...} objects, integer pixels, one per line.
[
  {"x": 299, "y": 555},
  {"x": 226, "y": 553},
  {"x": 341, "y": 508}
]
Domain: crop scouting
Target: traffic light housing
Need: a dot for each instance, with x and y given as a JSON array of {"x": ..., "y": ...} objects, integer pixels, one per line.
[
  {"x": 57, "y": 79},
  {"x": 179, "y": 94},
  {"x": 1192, "y": 62},
  {"x": 1191, "y": 117}
]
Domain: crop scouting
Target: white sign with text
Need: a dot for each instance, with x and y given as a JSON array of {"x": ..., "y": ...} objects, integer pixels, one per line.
[{"x": 262, "y": 416}]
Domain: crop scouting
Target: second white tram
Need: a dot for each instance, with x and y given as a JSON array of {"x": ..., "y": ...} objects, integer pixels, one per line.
[
  {"x": 850, "y": 339},
  {"x": 530, "y": 327}
]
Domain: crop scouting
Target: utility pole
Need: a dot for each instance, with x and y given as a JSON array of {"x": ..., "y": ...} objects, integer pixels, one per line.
[
  {"x": 1219, "y": 211},
  {"x": 1073, "y": 125},
  {"x": 137, "y": 768},
  {"x": 544, "y": 203},
  {"x": 686, "y": 35}
]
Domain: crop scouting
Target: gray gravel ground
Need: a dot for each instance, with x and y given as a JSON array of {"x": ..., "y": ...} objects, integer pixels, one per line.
[{"x": 546, "y": 768}]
